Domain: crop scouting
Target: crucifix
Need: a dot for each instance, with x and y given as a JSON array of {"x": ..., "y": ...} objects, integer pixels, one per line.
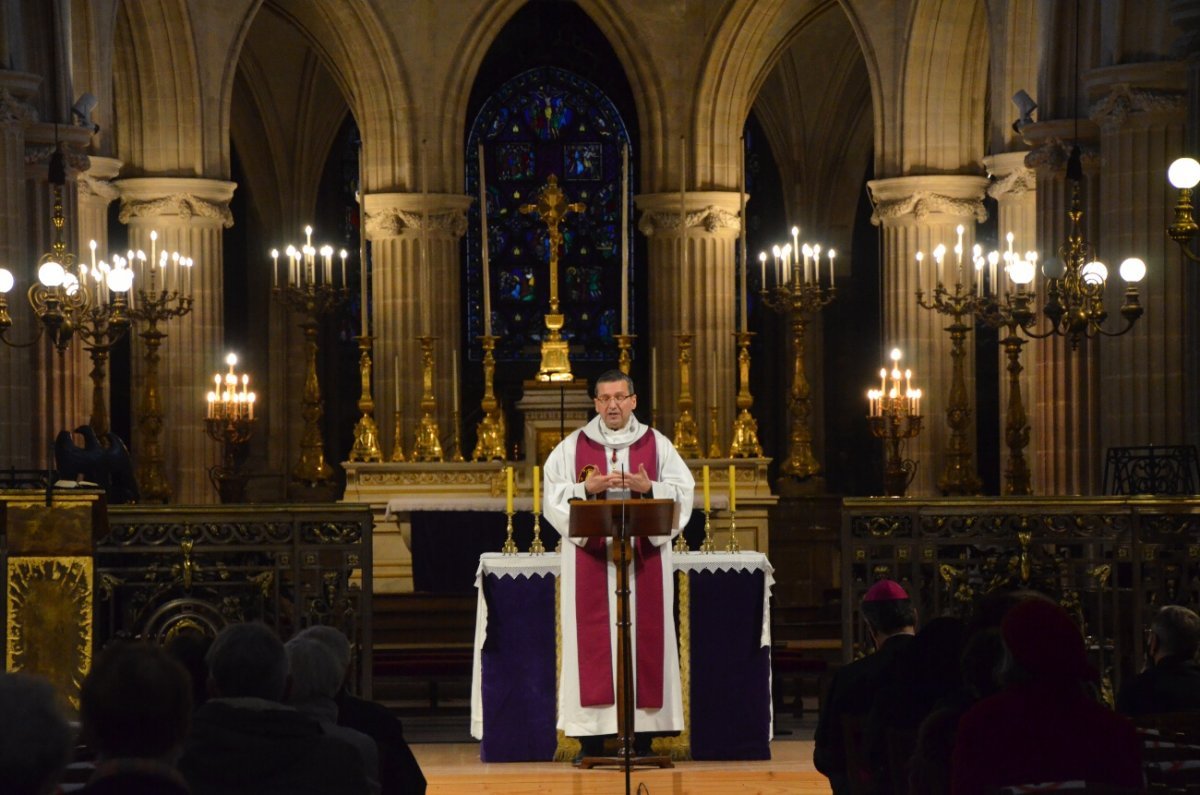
[{"x": 551, "y": 209}]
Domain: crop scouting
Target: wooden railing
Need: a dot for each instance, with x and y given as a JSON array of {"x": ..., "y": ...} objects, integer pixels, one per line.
[{"x": 1112, "y": 562}]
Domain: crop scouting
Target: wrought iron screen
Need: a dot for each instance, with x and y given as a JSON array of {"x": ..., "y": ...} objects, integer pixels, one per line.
[
  {"x": 1110, "y": 562},
  {"x": 162, "y": 570},
  {"x": 1152, "y": 470}
]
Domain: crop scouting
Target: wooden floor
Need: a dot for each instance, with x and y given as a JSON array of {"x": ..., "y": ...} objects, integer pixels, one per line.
[{"x": 452, "y": 769}]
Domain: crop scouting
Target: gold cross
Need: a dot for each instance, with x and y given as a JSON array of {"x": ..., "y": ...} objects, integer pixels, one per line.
[{"x": 552, "y": 208}]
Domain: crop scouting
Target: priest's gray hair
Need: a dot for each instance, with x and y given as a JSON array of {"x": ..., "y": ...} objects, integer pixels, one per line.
[
  {"x": 333, "y": 639},
  {"x": 610, "y": 376},
  {"x": 316, "y": 672}
]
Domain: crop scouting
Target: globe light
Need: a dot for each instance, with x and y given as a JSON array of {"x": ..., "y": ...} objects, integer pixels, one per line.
[
  {"x": 231, "y": 359},
  {"x": 51, "y": 274},
  {"x": 1184, "y": 173},
  {"x": 1021, "y": 271},
  {"x": 1094, "y": 273},
  {"x": 6, "y": 280},
  {"x": 70, "y": 283},
  {"x": 1133, "y": 270},
  {"x": 119, "y": 280},
  {"x": 1054, "y": 268}
]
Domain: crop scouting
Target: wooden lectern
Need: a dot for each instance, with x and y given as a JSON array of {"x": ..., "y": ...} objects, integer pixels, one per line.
[{"x": 621, "y": 520}]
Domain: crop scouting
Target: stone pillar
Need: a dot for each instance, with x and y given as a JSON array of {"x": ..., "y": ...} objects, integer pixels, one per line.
[
  {"x": 1064, "y": 410},
  {"x": 1014, "y": 188},
  {"x": 189, "y": 216},
  {"x": 411, "y": 296},
  {"x": 17, "y": 445},
  {"x": 94, "y": 192},
  {"x": 701, "y": 301},
  {"x": 1143, "y": 393},
  {"x": 917, "y": 213}
]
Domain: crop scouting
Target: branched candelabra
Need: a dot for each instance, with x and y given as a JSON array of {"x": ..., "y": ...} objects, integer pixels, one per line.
[
  {"x": 230, "y": 421},
  {"x": 159, "y": 299},
  {"x": 958, "y": 476},
  {"x": 894, "y": 417},
  {"x": 310, "y": 291},
  {"x": 799, "y": 296}
]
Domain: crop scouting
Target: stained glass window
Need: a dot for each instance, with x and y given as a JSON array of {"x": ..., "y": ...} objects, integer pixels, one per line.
[{"x": 542, "y": 122}]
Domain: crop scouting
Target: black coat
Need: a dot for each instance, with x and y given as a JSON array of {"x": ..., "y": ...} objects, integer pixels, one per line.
[
  {"x": 1171, "y": 685},
  {"x": 399, "y": 772}
]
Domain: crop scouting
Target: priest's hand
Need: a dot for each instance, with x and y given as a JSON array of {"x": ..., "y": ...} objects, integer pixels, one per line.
[
  {"x": 598, "y": 482},
  {"x": 639, "y": 481}
]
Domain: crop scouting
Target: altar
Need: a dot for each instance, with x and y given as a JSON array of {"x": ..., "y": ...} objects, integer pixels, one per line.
[{"x": 724, "y": 629}]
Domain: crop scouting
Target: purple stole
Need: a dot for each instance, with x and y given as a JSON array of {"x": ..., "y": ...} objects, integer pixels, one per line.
[{"x": 592, "y": 621}]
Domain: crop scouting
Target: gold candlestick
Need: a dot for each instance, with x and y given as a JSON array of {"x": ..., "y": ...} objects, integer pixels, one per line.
[
  {"x": 428, "y": 446},
  {"x": 398, "y": 436},
  {"x": 680, "y": 544},
  {"x": 490, "y": 432},
  {"x": 714, "y": 444},
  {"x": 229, "y": 478},
  {"x": 510, "y": 546},
  {"x": 686, "y": 439},
  {"x": 707, "y": 546},
  {"x": 745, "y": 429},
  {"x": 456, "y": 441},
  {"x": 1016, "y": 315},
  {"x": 624, "y": 345},
  {"x": 537, "y": 547},
  {"x": 366, "y": 434},
  {"x": 733, "y": 546}
]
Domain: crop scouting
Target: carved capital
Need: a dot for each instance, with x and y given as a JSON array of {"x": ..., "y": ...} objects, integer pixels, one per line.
[
  {"x": 14, "y": 111},
  {"x": 905, "y": 199},
  {"x": 96, "y": 188},
  {"x": 922, "y": 204},
  {"x": 393, "y": 222},
  {"x": 77, "y": 161},
  {"x": 184, "y": 205},
  {"x": 1016, "y": 183},
  {"x": 710, "y": 219},
  {"x": 187, "y": 198},
  {"x": 1124, "y": 101},
  {"x": 1053, "y": 153},
  {"x": 712, "y": 212}
]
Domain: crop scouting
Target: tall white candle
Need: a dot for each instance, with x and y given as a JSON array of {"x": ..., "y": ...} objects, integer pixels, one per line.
[
  {"x": 396, "y": 380},
  {"x": 426, "y": 282},
  {"x": 625, "y": 239},
  {"x": 483, "y": 248},
  {"x": 362, "y": 245},
  {"x": 653, "y": 381},
  {"x": 742, "y": 235},
  {"x": 685, "y": 319}
]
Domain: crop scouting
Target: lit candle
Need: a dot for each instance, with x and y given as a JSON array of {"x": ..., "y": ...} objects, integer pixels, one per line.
[
  {"x": 762, "y": 270},
  {"x": 732, "y": 487},
  {"x": 153, "y": 249},
  {"x": 274, "y": 267},
  {"x": 483, "y": 249},
  {"x": 537, "y": 489},
  {"x": 508, "y": 489},
  {"x": 920, "y": 257},
  {"x": 832, "y": 254},
  {"x": 796, "y": 248},
  {"x": 742, "y": 247},
  {"x": 624, "y": 239},
  {"x": 342, "y": 254},
  {"x": 958, "y": 249},
  {"x": 883, "y": 380},
  {"x": 707, "y": 497}
]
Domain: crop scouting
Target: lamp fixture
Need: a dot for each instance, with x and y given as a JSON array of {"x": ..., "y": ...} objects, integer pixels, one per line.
[{"x": 1183, "y": 174}]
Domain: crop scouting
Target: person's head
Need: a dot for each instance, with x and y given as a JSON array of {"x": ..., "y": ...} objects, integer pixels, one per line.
[
  {"x": 189, "y": 649},
  {"x": 316, "y": 671},
  {"x": 888, "y": 611},
  {"x": 615, "y": 398},
  {"x": 248, "y": 660},
  {"x": 1045, "y": 642},
  {"x": 136, "y": 702},
  {"x": 1175, "y": 632},
  {"x": 333, "y": 639},
  {"x": 35, "y": 737}
]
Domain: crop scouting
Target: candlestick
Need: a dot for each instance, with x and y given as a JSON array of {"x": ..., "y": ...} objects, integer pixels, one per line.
[
  {"x": 508, "y": 489},
  {"x": 483, "y": 249},
  {"x": 625, "y": 239}
]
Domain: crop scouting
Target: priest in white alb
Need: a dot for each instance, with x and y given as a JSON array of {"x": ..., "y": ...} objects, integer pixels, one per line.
[{"x": 614, "y": 456}]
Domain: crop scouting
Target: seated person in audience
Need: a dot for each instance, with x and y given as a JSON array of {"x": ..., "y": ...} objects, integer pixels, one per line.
[
  {"x": 1045, "y": 726},
  {"x": 189, "y": 649},
  {"x": 892, "y": 621},
  {"x": 245, "y": 741},
  {"x": 399, "y": 772},
  {"x": 35, "y": 737},
  {"x": 316, "y": 678},
  {"x": 1171, "y": 683},
  {"x": 135, "y": 706}
]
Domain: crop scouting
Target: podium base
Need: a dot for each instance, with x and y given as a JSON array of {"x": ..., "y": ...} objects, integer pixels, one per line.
[{"x": 622, "y": 761}]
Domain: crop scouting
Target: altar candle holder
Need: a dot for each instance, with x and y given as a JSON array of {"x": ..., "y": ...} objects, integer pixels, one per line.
[
  {"x": 510, "y": 546},
  {"x": 537, "y": 547},
  {"x": 707, "y": 546},
  {"x": 456, "y": 455},
  {"x": 714, "y": 432},
  {"x": 624, "y": 357},
  {"x": 732, "y": 546},
  {"x": 398, "y": 438}
]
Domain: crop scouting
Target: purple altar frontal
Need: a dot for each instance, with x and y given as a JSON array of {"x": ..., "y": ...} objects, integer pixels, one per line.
[{"x": 725, "y": 657}]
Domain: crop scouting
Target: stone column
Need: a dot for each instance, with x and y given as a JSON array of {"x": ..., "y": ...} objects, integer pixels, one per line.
[
  {"x": 17, "y": 444},
  {"x": 701, "y": 300},
  {"x": 1143, "y": 395},
  {"x": 917, "y": 213},
  {"x": 1014, "y": 188},
  {"x": 94, "y": 193},
  {"x": 414, "y": 295},
  {"x": 189, "y": 216},
  {"x": 1064, "y": 412}
]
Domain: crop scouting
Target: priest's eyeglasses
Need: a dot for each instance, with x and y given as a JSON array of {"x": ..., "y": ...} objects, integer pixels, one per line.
[{"x": 604, "y": 400}]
